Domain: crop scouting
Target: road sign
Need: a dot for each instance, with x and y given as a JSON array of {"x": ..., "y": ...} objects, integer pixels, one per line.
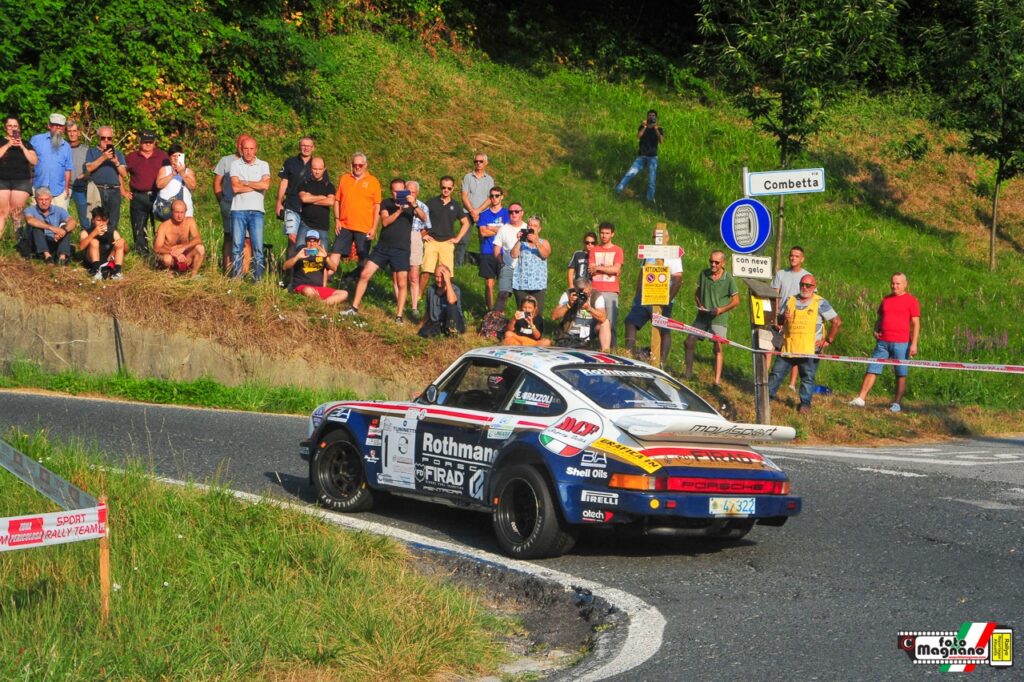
[
  {"x": 659, "y": 251},
  {"x": 799, "y": 181},
  {"x": 755, "y": 267},
  {"x": 654, "y": 287},
  {"x": 746, "y": 225}
]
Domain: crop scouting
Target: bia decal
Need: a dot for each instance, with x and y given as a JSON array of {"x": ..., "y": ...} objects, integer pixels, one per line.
[
  {"x": 597, "y": 460},
  {"x": 597, "y": 515},
  {"x": 599, "y": 497},
  {"x": 586, "y": 473}
]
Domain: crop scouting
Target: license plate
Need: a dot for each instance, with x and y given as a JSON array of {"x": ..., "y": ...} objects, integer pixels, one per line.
[{"x": 732, "y": 506}]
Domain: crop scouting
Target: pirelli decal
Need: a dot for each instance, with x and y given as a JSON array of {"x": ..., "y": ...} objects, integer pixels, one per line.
[{"x": 626, "y": 454}]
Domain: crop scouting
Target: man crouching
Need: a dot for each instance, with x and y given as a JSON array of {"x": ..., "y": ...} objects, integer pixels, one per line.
[{"x": 178, "y": 246}]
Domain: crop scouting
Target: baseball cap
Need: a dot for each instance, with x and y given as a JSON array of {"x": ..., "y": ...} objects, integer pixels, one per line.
[
  {"x": 58, "y": 119},
  {"x": 313, "y": 234},
  {"x": 147, "y": 136}
]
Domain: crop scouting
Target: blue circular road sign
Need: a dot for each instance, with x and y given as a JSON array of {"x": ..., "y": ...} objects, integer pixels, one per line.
[{"x": 746, "y": 225}]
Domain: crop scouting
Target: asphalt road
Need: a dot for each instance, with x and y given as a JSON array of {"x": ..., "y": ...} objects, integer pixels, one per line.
[{"x": 890, "y": 539}]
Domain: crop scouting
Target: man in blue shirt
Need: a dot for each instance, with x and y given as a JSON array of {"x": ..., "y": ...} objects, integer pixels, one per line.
[
  {"x": 489, "y": 221},
  {"x": 51, "y": 228},
  {"x": 106, "y": 167},
  {"x": 53, "y": 170}
]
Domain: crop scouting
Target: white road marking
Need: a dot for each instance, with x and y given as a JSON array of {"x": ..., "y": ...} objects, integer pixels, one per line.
[
  {"x": 975, "y": 461},
  {"x": 984, "y": 504},
  {"x": 644, "y": 633},
  {"x": 906, "y": 474}
]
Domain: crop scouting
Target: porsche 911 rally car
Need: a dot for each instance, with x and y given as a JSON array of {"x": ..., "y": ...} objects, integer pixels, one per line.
[{"x": 548, "y": 441}]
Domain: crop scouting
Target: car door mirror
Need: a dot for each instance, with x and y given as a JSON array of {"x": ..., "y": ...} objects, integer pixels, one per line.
[{"x": 431, "y": 393}]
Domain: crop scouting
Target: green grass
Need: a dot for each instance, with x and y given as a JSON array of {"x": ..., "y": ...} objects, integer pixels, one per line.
[
  {"x": 203, "y": 392},
  {"x": 206, "y": 587}
]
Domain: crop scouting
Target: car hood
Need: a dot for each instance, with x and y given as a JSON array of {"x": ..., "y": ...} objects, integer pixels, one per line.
[{"x": 706, "y": 428}]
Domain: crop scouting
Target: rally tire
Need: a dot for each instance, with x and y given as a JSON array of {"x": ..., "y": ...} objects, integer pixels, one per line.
[
  {"x": 338, "y": 476},
  {"x": 525, "y": 519}
]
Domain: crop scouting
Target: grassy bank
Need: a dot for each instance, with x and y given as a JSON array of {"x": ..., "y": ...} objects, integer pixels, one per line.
[{"x": 206, "y": 587}]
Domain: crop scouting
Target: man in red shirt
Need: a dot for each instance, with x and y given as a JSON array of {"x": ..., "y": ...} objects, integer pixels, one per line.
[
  {"x": 144, "y": 165},
  {"x": 605, "y": 266},
  {"x": 899, "y": 321}
]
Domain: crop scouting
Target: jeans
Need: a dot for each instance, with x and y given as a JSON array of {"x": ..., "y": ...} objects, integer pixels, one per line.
[
  {"x": 110, "y": 197},
  {"x": 807, "y": 368},
  {"x": 82, "y": 206},
  {"x": 652, "y": 174},
  {"x": 141, "y": 212},
  {"x": 46, "y": 243},
  {"x": 247, "y": 223}
]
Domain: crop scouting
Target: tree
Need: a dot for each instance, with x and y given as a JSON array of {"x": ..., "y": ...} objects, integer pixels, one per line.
[
  {"x": 986, "y": 94},
  {"x": 786, "y": 60}
]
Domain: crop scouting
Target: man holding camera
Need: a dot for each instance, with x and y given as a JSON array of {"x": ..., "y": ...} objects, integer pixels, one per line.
[
  {"x": 308, "y": 266},
  {"x": 178, "y": 246},
  {"x": 501, "y": 249},
  {"x": 106, "y": 168},
  {"x": 650, "y": 135},
  {"x": 51, "y": 228},
  {"x": 582, "y": 318}
]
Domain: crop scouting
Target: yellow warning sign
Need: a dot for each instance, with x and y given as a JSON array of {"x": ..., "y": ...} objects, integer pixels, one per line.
[
  {"x": 626, "y": 454},
  {"x": 654, "y": 287}
]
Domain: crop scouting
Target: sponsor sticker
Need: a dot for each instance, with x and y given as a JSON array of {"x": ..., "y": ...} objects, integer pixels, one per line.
[
  {"x": 501, "y": 427},
  {"x": 533, "y": 399},
  {"x": 626, "y": 454},
  {"x": 455, "y": 448},
  {"x": 596, "y": 460},
  {"x": 609, "y": 372},
  {"x": 586, "y": 473},
  {"x": 597, "y": 515},
  {"x": 476, "y": 485},
  {"x": 572, "y": 433},
  {"x": 600, "y": 497},
  {"x": 962, "y": 650},
  {"x": 55, "y": 528},
  {"x": 709, "y": 458},
  {"x": 340, "y": 416}
]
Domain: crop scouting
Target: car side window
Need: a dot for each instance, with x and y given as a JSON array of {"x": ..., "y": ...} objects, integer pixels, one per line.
[
  {"x": 535, "y": 397},
  {"x": 483, "y": 384}
]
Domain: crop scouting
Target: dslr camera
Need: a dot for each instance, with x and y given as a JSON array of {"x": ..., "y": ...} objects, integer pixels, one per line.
[
  {"x": 581, "y": 295},
  {"x": 652, "y": 119},
  {"x": 524, "y": 233}
]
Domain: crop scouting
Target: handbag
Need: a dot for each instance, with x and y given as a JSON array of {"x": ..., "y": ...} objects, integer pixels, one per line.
[{"x": 162, "y": 207}]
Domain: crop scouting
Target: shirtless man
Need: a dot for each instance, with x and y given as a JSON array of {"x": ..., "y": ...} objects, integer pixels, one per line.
[{"x": 178, "y": 246}]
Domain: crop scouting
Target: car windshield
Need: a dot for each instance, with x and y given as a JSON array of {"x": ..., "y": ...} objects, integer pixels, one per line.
[{"x": 618, "y": 387}]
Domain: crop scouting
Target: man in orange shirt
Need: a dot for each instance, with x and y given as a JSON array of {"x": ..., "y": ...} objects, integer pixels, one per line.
[{"x": 357, "y": 213}]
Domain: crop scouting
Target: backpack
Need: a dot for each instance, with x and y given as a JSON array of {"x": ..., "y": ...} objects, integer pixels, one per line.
[
  {"x": 23, "y": 241},
  {"x": 493, "y": 325}
]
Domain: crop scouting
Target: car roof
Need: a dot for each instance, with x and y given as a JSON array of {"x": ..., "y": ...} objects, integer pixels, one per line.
[{"x": 542, "y": 359}]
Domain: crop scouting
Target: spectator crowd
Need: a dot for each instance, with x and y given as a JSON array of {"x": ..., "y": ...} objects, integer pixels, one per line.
[{"x": 340, "y": 233}]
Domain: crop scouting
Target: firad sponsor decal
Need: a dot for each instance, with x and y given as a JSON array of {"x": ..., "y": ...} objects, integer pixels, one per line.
[
  {"x": 597, "y": 515},
  {"x": 972, "y": 645},
  {"x": 573, "y": 432},
  {"x": 600, "y": 497},
  {"x": 448, "y": 446}
]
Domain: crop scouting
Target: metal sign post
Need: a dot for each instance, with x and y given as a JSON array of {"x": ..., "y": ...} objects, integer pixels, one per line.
[{"x": 655, "y": 282}]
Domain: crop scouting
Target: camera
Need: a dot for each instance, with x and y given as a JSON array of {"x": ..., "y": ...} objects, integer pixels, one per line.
[
  {"x": 524, "y": 233},
  {"x": 15, "y": 134},
  {"x": 652, "y": 119},
  {"x": 581, "y": 295}
]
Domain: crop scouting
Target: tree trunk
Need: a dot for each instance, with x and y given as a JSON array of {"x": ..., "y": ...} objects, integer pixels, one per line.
[
  {"x": 781, "y": 223},
  {"x": 995, "y": 219}
]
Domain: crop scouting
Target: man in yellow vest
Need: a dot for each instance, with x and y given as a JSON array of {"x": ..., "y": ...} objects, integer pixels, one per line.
[{"x": 804, "y": 318}]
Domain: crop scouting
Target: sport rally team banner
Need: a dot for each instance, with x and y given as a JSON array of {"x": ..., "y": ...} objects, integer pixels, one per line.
[
  {"x": 84, "y": 517},
  {"x": 667, "y": 323}
]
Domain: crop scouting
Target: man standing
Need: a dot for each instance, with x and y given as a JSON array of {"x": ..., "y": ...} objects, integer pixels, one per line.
[
  {"x": 293, "y": 174},
  {"x": 803, "y": 322},
  {"x": 439, "y": 241},
  {"x": 396, "y": 216},
  {"x": 650, "y": 135},
  {"x": 896, "y": 331},
  {"x": 639, "y": 315},
  {"x": 222, "y": 190},
  {"x": 419, "y": 228},
  {"x": 501, "y": 250},
  {"x": 605, "y": 266},
  {"x": 143, "y": 166},
  {"x": 476, "y": 186},
  {"x": 787, "y": 281},
  {"x": 356, "y": 212},
  {"x": 79, "y": 182},
  {"x": 177, "y": 245},
  {"x": 51, "y": 228},
  {"x": 716, "y": 295},
  {"x": 489, "y": 221},
  {"x": 250, "y": 179},
  {"x": 105, "y": 166},
  {"x": 316, "y": 195},
  {"x": 55, "y": 165}
]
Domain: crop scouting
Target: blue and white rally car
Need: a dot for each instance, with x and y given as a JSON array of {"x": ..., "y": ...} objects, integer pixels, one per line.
[{"x": 547, "y": 441}]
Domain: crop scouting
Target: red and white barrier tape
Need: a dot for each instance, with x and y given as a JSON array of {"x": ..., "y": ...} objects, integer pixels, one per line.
[
  {"x": 54, "y": 528},
  {"x": 667, "y": 323}
]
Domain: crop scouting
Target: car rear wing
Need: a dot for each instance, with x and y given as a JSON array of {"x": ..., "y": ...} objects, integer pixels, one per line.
[{"x": 699, "y": 427}]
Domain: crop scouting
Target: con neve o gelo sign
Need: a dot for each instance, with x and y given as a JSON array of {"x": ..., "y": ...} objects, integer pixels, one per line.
[{"x": 746, "y": 226}]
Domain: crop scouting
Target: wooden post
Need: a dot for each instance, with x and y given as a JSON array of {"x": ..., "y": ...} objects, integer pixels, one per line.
[{"x": 104, "y": 573}]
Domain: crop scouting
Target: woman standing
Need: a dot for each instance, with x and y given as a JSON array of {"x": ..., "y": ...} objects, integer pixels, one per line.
[
  {"x": 16, "y": 161},
  {"x": 530, "y": 278},
  {"x": 177, "y": 181}
]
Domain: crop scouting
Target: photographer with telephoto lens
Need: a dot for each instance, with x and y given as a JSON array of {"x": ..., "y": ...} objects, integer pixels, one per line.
[{"x": 582, "y": 317}]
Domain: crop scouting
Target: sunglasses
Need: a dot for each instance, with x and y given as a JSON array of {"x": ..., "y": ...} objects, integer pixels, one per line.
[
  {"x": 359, "y": 165},
  {"x": 515, "y": 210},
  {"x": 478, "y": 161},
  {"x": 808, "y": 285},
  {"x": 106, "y": 138},
  {"x": 589, "y": 243},
  {"x": 715, "y": 262},
  {"x": 446, "y": 189},
  {"x": 495, "y": 196}
]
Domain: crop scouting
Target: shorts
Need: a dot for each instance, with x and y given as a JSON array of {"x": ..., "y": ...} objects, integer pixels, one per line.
[
  {"x": 704, "y": 323},
  {"x": 343, "y": 244},
  {"x": 16, "y": 185},
  {"x": 323, "y": 292},
  {"x": 640, "y": 315},
  {"x": 397, "y": 258},
  {"x": 434, "y": 252},
  {"x": 505, "y": 279},
  {"x": 415, "y": 248},
  {"x": 292, "y": 220},
  {"x": 890, "y": 350},
  {"x": 488, "y": 266}
]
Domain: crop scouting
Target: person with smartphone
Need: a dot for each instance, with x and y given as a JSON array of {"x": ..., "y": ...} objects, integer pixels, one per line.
[
  {"x": 17, "y": 157},
  {"x": 650, "y": 134},
  {"x": 308, "y": 265},
  {"x": 526, "y": 328}
]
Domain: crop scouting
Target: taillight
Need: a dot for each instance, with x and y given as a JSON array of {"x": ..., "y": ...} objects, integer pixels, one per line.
[{"x": 690, "y": 484}]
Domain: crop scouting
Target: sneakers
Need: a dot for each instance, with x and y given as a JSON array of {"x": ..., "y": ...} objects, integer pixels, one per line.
[
  {"x": 857, "y": 402},
  {"x": 117, "y": 275},
  {"x": 895, "y": 407},
  {"x": 351, "y": 312},
  {"x": 98, "y": 275},
  {"x": 399, "y": 320}
]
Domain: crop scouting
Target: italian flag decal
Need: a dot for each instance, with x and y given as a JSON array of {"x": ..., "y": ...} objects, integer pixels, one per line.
[{"x": 975, "y": 635}]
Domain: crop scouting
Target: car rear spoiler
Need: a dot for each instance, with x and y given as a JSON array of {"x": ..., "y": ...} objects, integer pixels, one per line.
[{"x": 698, "y": 427}]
